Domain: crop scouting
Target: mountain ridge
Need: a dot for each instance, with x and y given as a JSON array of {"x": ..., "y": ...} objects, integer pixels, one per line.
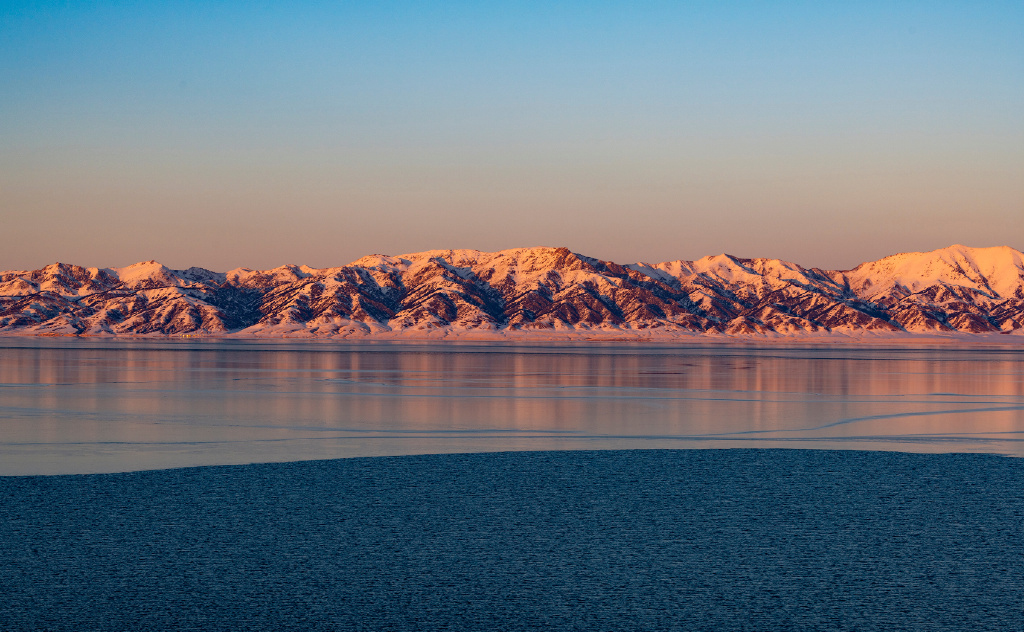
[{"x": 526, "y": 291}]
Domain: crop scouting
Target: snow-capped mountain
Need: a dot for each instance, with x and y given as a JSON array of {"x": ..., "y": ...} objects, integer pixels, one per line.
[{"x": 515, "y": 292}]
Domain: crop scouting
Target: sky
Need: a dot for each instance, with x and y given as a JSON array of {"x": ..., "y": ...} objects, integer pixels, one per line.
[{"x": 226, "y": 134}]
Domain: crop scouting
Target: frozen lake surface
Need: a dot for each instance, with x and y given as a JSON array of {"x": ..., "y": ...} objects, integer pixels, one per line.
[
  {"x": 584, "y": 534},
  {"x": 93, "y": 405}
]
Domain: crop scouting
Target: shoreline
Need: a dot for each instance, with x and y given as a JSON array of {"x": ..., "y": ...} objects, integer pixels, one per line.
[{"x": 582, "y": 336}]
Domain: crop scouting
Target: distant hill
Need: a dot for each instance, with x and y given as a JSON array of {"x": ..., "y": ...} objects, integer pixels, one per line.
[{"x": 526, "y": 290}]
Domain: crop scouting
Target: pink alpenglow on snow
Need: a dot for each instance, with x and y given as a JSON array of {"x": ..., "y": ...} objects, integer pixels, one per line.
[{"x": 529, "y": 292}]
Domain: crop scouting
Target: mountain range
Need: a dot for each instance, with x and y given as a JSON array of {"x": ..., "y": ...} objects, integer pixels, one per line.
[{"x": 526, "y": 292}]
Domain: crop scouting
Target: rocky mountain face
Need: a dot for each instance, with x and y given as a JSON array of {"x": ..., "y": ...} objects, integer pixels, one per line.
[{"x": 958, "y": 288}]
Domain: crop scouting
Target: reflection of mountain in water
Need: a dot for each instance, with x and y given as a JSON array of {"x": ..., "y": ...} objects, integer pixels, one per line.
[
  {"x": 514, "y": 292},
  {"x": 87, "y": 405}
]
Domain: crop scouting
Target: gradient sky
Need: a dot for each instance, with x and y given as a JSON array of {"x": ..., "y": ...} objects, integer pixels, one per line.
[{"x": 227, "y": 134}]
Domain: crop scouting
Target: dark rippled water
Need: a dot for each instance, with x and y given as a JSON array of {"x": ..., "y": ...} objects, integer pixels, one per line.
[{"x": 614, "y": 540}]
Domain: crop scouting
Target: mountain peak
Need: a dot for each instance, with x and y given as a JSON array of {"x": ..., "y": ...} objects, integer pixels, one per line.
[
  {"x": 995, "y": 271},
  {"x": 523, "y": 290}
]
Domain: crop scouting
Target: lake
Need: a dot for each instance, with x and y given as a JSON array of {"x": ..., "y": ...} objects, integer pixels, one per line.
[
  {"x": 581, "y": 514},
  {"x": 716, "y": 540},
  {"x": 94, "y": 405}
]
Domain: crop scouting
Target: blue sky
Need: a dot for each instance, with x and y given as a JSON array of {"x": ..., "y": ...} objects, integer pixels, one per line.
[{"x": 228, "y": 134}]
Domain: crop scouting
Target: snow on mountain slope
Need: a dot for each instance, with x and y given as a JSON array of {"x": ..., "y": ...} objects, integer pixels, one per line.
[
  {"x": 246, "y": 277},
  {"x": 526, "y": 289},
  {"x": 995, "y": 273},
  {"x": 58, "y": 278}
]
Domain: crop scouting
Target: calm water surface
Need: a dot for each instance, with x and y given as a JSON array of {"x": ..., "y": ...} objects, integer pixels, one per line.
[{"x": 79, "y": 406}]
